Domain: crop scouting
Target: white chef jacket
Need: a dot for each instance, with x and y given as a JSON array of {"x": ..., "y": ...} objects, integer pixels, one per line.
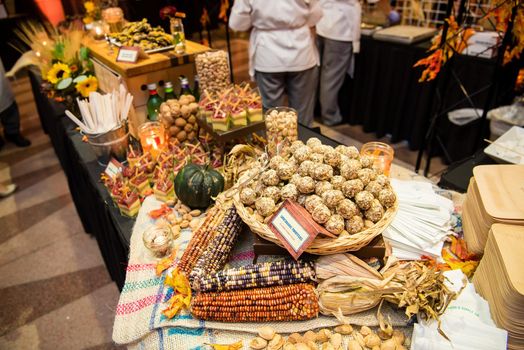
[
  {"x": 341, "y": 21},
  {"x": 281, "y": 39}
]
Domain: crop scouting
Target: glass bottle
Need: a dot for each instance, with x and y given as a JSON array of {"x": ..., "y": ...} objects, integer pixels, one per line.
[
  {"x": 169, "y": 94},
  {"x": 184, "y": 86},
  {"x": 196, "y": 88},
  {"x": 179, "y": 38},
  {"x": 154, "y": 102}
]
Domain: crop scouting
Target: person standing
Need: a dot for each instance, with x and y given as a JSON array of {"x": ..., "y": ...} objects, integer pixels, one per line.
[
  {"x": 283, "y": 58},
  {"x": 338, "y": 39},
  {"x": 9, "y": 115}
]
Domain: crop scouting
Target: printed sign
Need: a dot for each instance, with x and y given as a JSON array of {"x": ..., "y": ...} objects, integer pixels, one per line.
[
  {"x": 128, "y": 54},
  {"x": 295, "y": 228},
  {"x": 114, "y": 167}
]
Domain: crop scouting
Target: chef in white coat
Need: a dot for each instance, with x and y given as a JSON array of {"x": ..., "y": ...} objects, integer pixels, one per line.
[
  {"x": 283, "y": 58},
  {"x": 338, "y": 39}
]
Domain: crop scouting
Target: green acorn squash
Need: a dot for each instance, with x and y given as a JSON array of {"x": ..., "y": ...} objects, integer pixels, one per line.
[{"x": 195, "y": 185}]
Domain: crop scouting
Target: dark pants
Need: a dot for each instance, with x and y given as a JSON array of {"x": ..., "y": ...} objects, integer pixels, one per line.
[
  {"x": 300, "y": 88},
  {"x": 335, "y": 57},
  {"x": 10, "y": 119}
]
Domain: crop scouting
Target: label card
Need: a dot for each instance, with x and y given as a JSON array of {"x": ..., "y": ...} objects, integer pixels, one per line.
[
  {"x": 114, "y": 167},
  {"x": 128, "y": 54},
  {"x": 295, "y": 228}
]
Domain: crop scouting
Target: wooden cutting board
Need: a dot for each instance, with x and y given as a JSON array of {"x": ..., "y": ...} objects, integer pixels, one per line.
[{"x": 501, "y": 188}]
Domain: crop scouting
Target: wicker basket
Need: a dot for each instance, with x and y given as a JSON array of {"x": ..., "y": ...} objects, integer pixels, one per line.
[{"x": 321, "y": 245}]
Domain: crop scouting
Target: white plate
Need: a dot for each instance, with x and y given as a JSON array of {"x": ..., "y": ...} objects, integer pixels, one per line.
[{"x": 512, "y": 139}]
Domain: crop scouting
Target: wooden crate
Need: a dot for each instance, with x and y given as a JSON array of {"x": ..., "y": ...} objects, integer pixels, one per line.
[{"x": 166, "y": 66}]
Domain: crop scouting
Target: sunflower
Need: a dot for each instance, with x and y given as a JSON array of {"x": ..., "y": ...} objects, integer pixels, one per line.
[
  {"x": 58, "y": 72},
  {"x": 89, "y": 6},
  {"x": 87, "y": 85}
]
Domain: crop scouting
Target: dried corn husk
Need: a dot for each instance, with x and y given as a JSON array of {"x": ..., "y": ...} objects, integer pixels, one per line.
[{"x": 348, "y": 286}]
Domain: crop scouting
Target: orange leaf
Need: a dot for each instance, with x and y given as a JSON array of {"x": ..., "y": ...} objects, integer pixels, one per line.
[
  {"x": 165, "y": 263},
  {"x": 157, "y": 213}
]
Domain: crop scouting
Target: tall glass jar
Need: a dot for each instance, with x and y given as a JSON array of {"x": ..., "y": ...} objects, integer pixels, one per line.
[
  {"x": 382, "y": 155},
  {"x": 113, "y": 19},
  {"x": 179, "y": 38},
  {"x": 281, "y": 129}
]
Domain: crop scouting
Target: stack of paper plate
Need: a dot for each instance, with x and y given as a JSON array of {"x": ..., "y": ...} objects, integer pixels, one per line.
[
  {"x": 500, "y": 280},
  {"x": 495, "y": 195}
]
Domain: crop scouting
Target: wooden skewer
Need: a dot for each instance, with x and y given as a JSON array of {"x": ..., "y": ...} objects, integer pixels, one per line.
[{"x": 506, "y": 148}]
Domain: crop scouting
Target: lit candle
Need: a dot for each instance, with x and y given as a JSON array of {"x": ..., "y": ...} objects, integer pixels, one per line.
[{"x": 152, "y": 137}]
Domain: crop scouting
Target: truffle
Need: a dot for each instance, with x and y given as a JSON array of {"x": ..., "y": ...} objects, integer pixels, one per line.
[
  {"x": 275, "y": 161},
  {"x": 311, "y": 202},
  {"x": 322, "y": 172},
  {"x": 295, "y": 145},
  {"x": 335, "y": 224},
  {"x": 321, "y": 213},
  {"x": 305, "y": 168},
  {"x": 294, "y": 179},
  {"x": 364, "y": 200},
  {"x": 367, "y": 161},
  {"x": 332, "y": 158},
  {"x": 376, "y": 211},
  {"x": 272, "y": 192},
  {"x": 374, "y": 188},
  {"x": 322, "y": 186},
  {"x": 387, "y": 197},
  {"x": 350, "y": 168},
  {"x": 366, "y": 175},
  {"x": 332, "y": 197},
  {"x": 289, "y": 191},
  {"x": 354, "y": 225},
  {"x": 270, "y": 178},
  {"x": 265, "y": 206},
  {"x": 347, "y": 208},
  {"x": 316, "y": 157},
  {"x": 305, "y": 185},
  {"x": 248, "y": 196},
  {"x": 382, "y": 180},
  {"x": 337, "y": 182},
  {"x": 351, "y": 187},
  {"x": 313, "y": 141},
  {"x": 285, "y": 170},
  {"x": 302, "y": 153}
]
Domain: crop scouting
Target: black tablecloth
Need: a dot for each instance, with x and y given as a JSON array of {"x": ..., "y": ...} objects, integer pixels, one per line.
[
  {"x": 386, "y": 97},
  {"x": 99, "y": 215}
]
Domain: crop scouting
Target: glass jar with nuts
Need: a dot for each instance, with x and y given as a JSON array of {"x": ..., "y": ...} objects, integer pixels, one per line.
[{"x": 281, "y": 129}]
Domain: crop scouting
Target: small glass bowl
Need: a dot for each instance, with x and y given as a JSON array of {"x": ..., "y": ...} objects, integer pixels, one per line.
[{"x": 158, "y": 240}]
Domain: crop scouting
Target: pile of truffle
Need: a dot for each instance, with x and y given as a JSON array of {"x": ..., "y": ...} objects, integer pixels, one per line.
[{"x": 338, "y": 187}]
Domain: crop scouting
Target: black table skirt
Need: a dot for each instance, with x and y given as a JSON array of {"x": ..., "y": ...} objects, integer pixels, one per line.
[
  {"x": 385, "y": 96},
  {"x": 99, "y": 215}
]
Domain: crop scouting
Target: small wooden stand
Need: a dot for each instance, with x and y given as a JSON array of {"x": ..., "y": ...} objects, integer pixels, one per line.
[{"x": 166, "y": 66}]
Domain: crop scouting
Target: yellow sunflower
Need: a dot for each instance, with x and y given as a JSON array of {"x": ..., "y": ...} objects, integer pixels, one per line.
[
  {"x": 58, "y": 72},
  {"x": 89, "y": 6},
  {"x": 87, "y": 85}
]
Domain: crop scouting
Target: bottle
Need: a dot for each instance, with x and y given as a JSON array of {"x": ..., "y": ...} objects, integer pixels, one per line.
[
  {"x": 196, "y": 88},
  {"x": 169, "y": 94},
  {"x": 184, "y": 86},
  {"x": 154, "y": 102}
]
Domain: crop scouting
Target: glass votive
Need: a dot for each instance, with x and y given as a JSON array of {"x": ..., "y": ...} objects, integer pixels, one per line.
[
  {"x": 382, "y": 153},
  {"x": 98, "y": 31},
  {"x": 114, "y": 19},
  {"x": 152, "y": 138},
  {"x": 281, "y": 129},
  {"x": 158, "y": 240}
]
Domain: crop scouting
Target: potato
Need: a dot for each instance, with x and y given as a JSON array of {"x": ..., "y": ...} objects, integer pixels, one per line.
[
  {"x": 173, "y": 130},
  {"x": 181, "y": 136},
  {"x": 188, "y": 128},
  {"x": 193, "y": 106},
  {"x": 185, "y": 111},
  {"x": 191, "y": 119},
  {"x": 180, "y": 122},
  {"x": 191, "y": 135}
]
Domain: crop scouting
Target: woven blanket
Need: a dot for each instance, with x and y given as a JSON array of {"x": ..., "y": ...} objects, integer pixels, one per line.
[{"x": 139, "y": 321}]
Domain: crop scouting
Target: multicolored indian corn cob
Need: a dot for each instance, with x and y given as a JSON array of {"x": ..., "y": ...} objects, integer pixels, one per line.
[
  {"x": 280, "y": 303},
  {"x": 217, "y": 252},
  {"x": 267, "y": 274},
  {"x": 200, "y": 240}
]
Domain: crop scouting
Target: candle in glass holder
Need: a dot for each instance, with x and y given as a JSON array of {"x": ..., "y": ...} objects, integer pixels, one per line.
[
  {"x": 382, "y": 153},
  {"x": 98, "y": 30},
  {"x": 152, "y": 137}
]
